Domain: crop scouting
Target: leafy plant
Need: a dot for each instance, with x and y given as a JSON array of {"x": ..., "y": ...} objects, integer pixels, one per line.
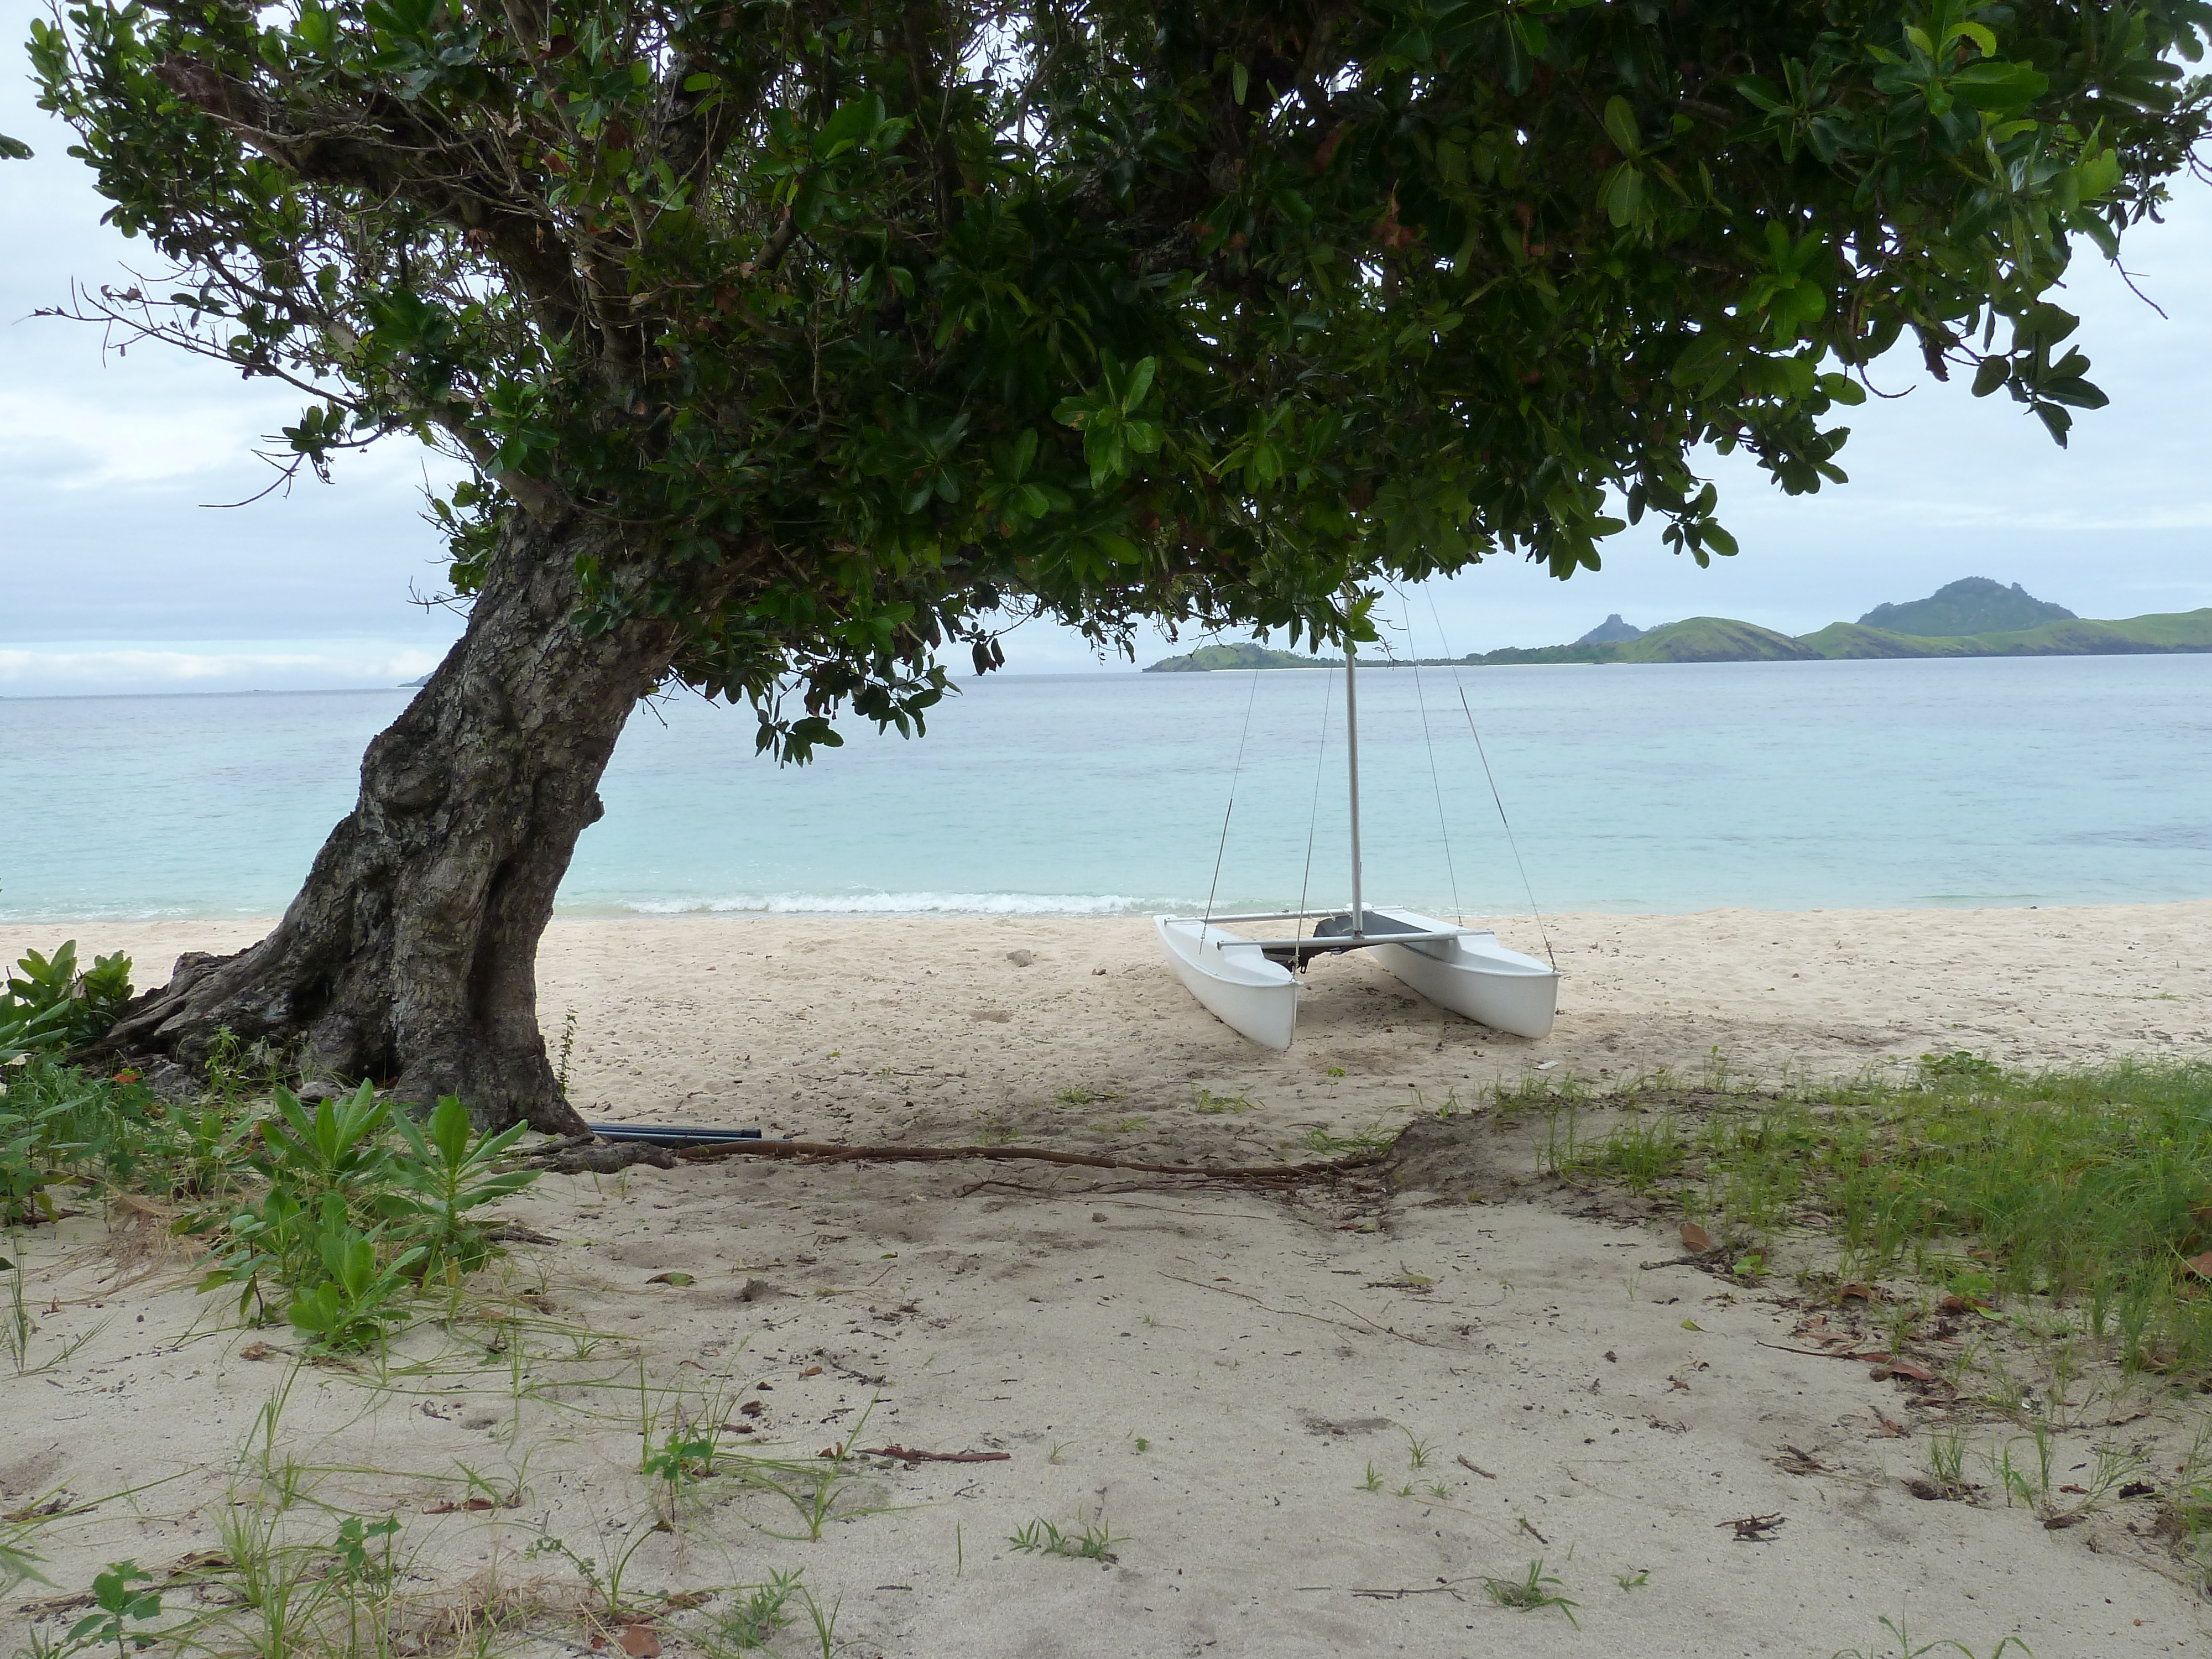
[
  {"x": 354, "y": 1543},
  {"x": 22, "y": 1183},
  {"x": 360, "y": 1298},
  {"x": 116, "y": 1607},
  {"x": 358, "y": 1209},
  {"x": 48, "y": 1006},
  {"x": 606, "y": 1585},
  {"x": 445, "y": 1175}
]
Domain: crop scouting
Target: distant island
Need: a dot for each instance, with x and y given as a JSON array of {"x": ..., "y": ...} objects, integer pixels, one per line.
[
  {"x": 1209, "y": 657},
  {"x": 1972, "y": 618}
]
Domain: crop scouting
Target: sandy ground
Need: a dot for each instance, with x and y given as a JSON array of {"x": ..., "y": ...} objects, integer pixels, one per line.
[
  {"x": 1314, "y": 1425},
  {"x": 870, "y": 1029}
]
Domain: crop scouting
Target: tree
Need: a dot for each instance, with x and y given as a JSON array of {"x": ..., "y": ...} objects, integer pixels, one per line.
[{"x": 792, "y": 344}]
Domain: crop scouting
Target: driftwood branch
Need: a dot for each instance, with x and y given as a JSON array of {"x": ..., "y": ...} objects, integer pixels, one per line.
[{"x": 570, "y": 1158}]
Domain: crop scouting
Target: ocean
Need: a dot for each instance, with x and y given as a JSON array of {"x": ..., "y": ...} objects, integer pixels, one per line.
[{"x": 1632, "y": 787}]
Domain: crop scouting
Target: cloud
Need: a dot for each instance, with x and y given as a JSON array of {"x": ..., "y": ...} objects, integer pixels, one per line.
[
  {"x": 100, "y": 668},
  {"x": 70, "y": 442}
]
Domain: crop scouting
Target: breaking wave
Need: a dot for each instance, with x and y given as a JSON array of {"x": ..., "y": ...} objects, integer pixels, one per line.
[{"x": 901, "y": 904}]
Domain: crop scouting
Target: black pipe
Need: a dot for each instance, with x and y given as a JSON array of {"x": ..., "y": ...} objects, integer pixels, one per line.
[{"x": 657, "y": 1134}]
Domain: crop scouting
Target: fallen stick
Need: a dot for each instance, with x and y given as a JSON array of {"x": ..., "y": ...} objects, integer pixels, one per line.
[
  {"x": 577, "y": 1160},
  {"x": 911, "y": 1458},
  {"x": 1477, "y": 1467}
]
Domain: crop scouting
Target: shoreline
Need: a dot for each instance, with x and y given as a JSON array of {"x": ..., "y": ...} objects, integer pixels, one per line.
[{"x": 66, "y": 923}]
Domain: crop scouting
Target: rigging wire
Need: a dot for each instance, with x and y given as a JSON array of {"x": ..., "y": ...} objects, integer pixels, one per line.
[
  {"x": 1436, "y": 778},
  {"x": 1475, "y": 731},
  {"x": 1229, "y": 811},
  {"x": 1313, "y": 818}
]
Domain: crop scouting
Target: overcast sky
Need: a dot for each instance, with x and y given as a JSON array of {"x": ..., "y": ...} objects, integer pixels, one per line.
[{"x": 116, "y": 574}]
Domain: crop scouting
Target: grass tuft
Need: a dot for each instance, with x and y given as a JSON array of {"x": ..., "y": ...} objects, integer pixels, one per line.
[
  {"x": 1534, "y": 1590},
  {"x": 2089, "y": 1189}
]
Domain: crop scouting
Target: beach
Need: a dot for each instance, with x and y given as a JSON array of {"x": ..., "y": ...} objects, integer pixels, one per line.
[
  {"x": 873, "y": 1027},
  {"x": 1308, "y": 1422}
]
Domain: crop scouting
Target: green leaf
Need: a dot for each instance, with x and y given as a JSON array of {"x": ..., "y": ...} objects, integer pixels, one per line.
[
  {"x": 1760, "y": 93},
  {"x": 1140, "y": 382},
  {"x": 1623, "y": 195},
  {"x": 2094, "y": 176},
  {"x": 1997, "y": 86},
  {"x": 1621, "y": 127},
  {"x": 1992, "y": 373}
]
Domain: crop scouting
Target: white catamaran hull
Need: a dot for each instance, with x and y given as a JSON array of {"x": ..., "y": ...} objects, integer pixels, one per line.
[
  {"x": 1475, "y": 976},
  {"x": 1251, "y": 995}
]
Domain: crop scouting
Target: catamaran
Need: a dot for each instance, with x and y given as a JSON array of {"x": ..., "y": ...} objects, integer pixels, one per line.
[{"x": 1252, "y": 984}]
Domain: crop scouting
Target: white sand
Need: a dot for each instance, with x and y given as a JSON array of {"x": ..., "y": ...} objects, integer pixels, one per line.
[{"x": 1259, "y": 1347}]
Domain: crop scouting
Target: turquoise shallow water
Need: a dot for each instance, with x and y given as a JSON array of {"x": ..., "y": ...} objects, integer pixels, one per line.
[{"x": 1658, "y": 788}]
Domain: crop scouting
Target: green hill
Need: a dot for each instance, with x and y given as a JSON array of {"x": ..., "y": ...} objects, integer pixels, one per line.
[
  {"x": 2161, "y": 632},
  {"x": 1724, "y": 638},
  {"x": 1973, "y": 605},
  {"x": 1856, "y": 642},
  {"x": 1612, "y": 631},
  {"x": 1713, "y": 639},
  {"x": 1210, "y": 659}
]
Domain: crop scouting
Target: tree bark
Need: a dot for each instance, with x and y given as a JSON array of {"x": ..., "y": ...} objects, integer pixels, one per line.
[{"x": 410, "y": 957}]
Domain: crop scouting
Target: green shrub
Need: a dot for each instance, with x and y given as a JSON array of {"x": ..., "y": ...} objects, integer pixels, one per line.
[
  {"x": 334, "y": 1218},
  {"x": 357, "y": 1210},
  {"x": 47, "y": 1006}
]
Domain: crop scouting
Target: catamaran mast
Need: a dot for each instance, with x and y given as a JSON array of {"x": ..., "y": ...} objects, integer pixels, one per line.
[{"x": 1351, "y": 747}]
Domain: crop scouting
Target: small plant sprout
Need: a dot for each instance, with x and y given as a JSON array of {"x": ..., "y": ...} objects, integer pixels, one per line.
[
  {"x": 568, "y": 1049},
  {"x": 606, "y": 1586},
  {"x": 1946, "y": 1462},
  {"x": 1418, "y": 1451},
  {"x": 1094, "y": 1543},
  {"x": 1534, "y": 1590},
  {"x": 992, "y": 1130},
  {"x": 1143, "y": 1444},
  {"x": 1206, "y": 1101},
  {"x": 759, "y": 1616},
  {"x": 1374, "y": 1481},
  {"x": 1637, "y": 1578}
]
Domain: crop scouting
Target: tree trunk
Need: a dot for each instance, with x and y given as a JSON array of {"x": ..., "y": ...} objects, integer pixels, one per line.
[{"x": 410, "y": 955}]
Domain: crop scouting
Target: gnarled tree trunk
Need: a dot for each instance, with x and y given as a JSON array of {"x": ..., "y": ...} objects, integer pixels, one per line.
[{"x": 410, "y": 955}]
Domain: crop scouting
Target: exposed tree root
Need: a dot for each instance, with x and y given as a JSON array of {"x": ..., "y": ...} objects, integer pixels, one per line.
[{"x": 578, "y": 1156}]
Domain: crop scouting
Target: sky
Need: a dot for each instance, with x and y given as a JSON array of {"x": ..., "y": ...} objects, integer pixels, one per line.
[{"x": 121, "y": 572}]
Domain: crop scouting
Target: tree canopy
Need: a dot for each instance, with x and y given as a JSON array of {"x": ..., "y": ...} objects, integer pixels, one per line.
[{"x": 856, "y": 327}]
